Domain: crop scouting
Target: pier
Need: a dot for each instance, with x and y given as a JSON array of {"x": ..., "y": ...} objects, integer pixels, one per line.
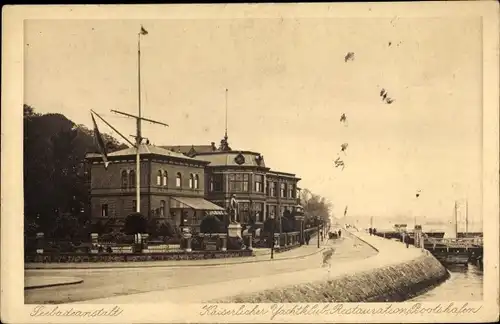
[{"x": 456, "y": 250}]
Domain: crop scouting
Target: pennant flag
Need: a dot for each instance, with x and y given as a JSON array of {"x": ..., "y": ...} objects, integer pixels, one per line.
[
  {"x": 143, "y": 31},
  {"x": 345, "y": 211},
  {"x": 100, "y": 144}
]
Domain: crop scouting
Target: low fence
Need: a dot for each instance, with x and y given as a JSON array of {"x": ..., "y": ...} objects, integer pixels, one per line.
[{"x": 133, "y": 257}]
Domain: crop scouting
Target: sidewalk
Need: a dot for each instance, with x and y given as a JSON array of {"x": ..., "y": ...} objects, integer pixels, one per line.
[
  {"x": 390, "y": 253},
  {"x": 43, "y": 282},
  {"x": 262, "y": 256}
]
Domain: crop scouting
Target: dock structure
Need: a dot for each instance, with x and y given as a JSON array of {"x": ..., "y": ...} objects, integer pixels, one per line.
[{"x": 456, "y": 250}]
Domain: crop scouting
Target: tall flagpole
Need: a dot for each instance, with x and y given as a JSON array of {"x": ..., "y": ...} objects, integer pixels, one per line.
[
  {"x": 226, "y": 113},
  {"x": 466, "y": 218},
  {"x": 138, "y": 138}
]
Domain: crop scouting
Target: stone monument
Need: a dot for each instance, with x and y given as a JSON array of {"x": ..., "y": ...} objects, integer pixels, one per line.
[{"x": 234, "y": 228}]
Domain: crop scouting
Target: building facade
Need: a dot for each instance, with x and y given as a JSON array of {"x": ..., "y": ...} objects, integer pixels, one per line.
[
  {"x": 261, "y": 192},
  {"x": 182, "y": 184},
  {"x": 172, "y": 186}
]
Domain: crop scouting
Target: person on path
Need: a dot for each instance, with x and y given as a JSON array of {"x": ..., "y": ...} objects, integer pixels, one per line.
[
  {"x": 370, "y": 231},
  {"x": 340, "y": 233},
  {"x": 407, "y": 240}
]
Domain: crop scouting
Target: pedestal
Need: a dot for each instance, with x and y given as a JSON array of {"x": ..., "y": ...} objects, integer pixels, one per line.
[
  {"x": 234, "y": 230},
  {"x": 250, "y": 239},
  {"x": 40, "y": 242},
  {"x": 188, "y": 237},
  {"x": 95, "y": 242},
  {"x": 419, "y": 242},
  {"x": 276, "y": 241},
  {"x": 145, "y": 238},
  {"x": 223, "y": 237}
]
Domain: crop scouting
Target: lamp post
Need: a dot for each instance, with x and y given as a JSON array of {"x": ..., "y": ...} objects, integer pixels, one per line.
[
  {"x": 272, "y": 236},
  {"x": 318, "y": 222}
]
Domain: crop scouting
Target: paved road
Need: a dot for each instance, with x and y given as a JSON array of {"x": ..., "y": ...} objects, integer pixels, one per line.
[{"x": 101, "y": 283}]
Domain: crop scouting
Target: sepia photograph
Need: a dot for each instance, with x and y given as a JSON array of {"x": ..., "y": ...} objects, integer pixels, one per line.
[{"x": 257, "y": 161}]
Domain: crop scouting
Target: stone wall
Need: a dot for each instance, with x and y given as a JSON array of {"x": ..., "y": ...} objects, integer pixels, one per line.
[
  {"x": 397, "y": 281},
  {"x": 386, "y": 284}
]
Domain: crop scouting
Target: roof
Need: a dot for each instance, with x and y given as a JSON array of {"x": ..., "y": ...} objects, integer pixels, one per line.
[
  {"x": 230, "y": 158},
  {"x": 146, "y": 149},
  {"x": 196, "y": 203},
  {"x": 281, "y": 174},
  {"x": 186, "y": 149}
]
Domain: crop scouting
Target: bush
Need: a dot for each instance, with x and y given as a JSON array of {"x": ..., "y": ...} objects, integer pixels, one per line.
[
  {"x": 135, "y": 223},
  {"x": 211, "y": 224},
  {"x": 66, "y": 247},
  {"x": 166, "y": 229}
]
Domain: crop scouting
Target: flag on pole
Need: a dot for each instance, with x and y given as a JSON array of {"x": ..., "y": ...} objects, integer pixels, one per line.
[
  {"x": 100, "y": 143},
  {"x": 143, "y": 31}
]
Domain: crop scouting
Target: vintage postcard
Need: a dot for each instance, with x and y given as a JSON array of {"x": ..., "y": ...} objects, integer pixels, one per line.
[{"x": 264, "y": 163}]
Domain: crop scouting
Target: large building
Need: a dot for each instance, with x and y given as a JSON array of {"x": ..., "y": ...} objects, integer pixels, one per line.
[{"x": 181, "y": 184}]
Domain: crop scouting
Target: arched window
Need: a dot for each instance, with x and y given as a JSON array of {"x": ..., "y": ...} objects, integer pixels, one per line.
[
  {"x": 165, "y": 178},
  {"x": 131, "y": 177},
  {"x": 191, "y": 180},
  {"x": 158, "y": 178},
  {"x": 162, "y": 208},
  {"x": 178, "y": 180},
  {"x": 124, "y": 179},
  {"x": 196, "y": 182}
]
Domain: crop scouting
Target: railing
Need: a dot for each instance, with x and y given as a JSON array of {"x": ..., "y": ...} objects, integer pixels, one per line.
[{"x": 456, "y": 242}]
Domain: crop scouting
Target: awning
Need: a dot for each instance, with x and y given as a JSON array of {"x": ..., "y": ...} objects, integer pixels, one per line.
[{"x": 197, "y": 204}]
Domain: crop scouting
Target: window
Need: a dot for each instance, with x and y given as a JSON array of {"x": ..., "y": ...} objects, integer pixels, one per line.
[
  {"x": 124, "y": 179},
  {"x": 239, "y": 182},
  {"x": 216, "y": 182},
  {"x": 283, "y": 190},
  {"x": 104, "y": 210},
  {"x": 243, "y": 212},
  {"x": 282, "y": 211},
  {"x": 158, "y": 178},
  {"x": 259, "y": 183},
  {"x": 178, "y": 180},
  {"x": 272, "y": 189},
  {"x": 191, "y": 180},
  {"x": 162, "y": 208},
  {"x": 271, "y": 210},
  {"x": 165, "y": 178},
  {"x": 196, "y": 182},
  {"x": 291, "y": 191},
  {"x": 131, "y": 177},
  {"x": 259, "y": 208},
  {"x": 134, "y": 205}
]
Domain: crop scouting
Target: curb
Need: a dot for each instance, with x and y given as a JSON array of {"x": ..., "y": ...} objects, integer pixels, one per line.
[
  {"x": 178, "y": 266},
  {"x": 74, "y": 282}
]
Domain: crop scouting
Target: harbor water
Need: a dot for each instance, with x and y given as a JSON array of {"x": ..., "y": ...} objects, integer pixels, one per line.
[{"x": 464, "y": 284}]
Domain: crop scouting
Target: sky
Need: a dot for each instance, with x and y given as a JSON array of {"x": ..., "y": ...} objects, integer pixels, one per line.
[{"x": 288, "y": 85}]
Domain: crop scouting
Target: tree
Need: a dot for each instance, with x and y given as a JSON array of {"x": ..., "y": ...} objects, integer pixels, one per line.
[
  {"x": 211, "y": 224},
  {"x": 166, "y": 229},
  {"x": 135, "y": 223},
  {"x": 55, "y": 176},
  {"x": 315, "y": 205}
]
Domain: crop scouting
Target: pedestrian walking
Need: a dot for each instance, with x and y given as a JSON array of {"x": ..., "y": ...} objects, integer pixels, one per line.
[
  {"x": 370, "y": 231},
  {"x": 340, "y": 233}
]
